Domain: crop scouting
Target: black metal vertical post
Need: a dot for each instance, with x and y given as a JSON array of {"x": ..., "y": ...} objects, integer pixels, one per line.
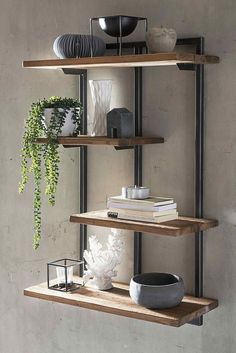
[
  {"x": 91, "y": 34},
  {"x": 120, "y": 37},
  {"x": 199, "y": 165},
  {"x": 138, "y": 156},
  {"x": 83, "y": 165}
]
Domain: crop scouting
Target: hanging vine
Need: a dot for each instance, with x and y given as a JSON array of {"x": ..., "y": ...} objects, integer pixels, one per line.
[{"x": 33, "y": 153}]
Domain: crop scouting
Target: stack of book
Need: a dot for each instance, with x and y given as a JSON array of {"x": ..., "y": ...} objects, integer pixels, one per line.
[{"x": 151, "y": 209}]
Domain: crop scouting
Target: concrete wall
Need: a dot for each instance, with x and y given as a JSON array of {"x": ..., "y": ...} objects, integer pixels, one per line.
[{"x": 27, "y": 30}]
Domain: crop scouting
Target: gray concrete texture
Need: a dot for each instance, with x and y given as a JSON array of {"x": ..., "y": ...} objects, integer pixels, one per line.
[{"x": 27, "y": 31}]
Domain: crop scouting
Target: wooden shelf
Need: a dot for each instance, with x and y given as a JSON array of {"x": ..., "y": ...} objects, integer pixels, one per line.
[
  {"x": 103, "y": 140},
  {"x": 159, "y": 59},
  {"x": 180, "y": 226},
  {"x": 117, "y": 301}
]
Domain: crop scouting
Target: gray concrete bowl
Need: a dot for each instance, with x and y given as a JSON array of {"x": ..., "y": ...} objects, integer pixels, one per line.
[{"x": 157, "y": 290}]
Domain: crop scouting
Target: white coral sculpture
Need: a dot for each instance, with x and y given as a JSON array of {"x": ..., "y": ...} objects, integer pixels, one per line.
[{"x": 101, "y": 263}]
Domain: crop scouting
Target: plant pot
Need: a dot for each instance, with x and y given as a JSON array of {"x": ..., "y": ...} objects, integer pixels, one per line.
[
  {"x": 161, "y": 40},
  {"x": 157, "y": 290},
  {"x": 68, "y": 129}
]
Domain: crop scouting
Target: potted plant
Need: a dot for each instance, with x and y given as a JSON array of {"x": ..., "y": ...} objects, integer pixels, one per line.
[{"x": 49, "y": 118}]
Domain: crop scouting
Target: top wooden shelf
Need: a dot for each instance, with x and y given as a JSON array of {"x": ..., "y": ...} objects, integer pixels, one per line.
[{"x": 160, "y": 59}]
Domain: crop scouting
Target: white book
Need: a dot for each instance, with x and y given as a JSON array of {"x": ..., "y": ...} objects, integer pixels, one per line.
[
  {"x": 149, "y": 201},
  {"x": 141, "y": 207},
  {"x": 152, "y": 219},
  {"x": 140, "y": 213}
]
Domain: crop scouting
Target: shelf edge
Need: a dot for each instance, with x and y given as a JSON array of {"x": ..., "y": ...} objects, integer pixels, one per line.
[
  {"x": 162, "y": 229},
  {"x": 164, "y": 318}
]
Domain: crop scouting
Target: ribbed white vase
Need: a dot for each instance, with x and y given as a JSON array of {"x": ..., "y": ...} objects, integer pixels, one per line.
[{"x": 101, "y": 97}]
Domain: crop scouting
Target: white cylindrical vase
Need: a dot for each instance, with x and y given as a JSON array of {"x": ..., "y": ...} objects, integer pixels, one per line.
[
  {"x": 64, "y": 275},
  {"x": 101, "y": 97}
]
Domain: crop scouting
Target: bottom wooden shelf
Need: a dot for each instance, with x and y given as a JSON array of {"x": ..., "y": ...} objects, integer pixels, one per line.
[{"x": 117, "y": 301}]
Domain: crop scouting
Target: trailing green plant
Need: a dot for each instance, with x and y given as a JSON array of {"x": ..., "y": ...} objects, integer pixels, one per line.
[{"x": 33, "y": 153}]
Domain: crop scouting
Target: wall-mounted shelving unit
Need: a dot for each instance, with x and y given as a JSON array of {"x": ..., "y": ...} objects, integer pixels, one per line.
[{"x": 117, "y": 300}]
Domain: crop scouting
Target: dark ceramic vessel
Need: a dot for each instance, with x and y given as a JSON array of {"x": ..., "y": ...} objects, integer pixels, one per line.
[
  {"x": 120, "y": 123},
  {"x": 111, "y": 25},
  {"x": 157, "y": 290},
  {"x": 78, "y": 46}
]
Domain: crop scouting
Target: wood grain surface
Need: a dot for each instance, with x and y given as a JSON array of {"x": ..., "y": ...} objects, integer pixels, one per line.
[
  {"x": 180, "y": 226},
  {"x": 117, "y": 301},
  {"x": 84, "y": 140},
  {"x": 124, "y": 61}
]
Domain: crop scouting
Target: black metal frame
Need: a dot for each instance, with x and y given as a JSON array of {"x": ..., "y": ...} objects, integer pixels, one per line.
[
  {"x": 138, "y": 155},
  {"x": 83, "y": 165},
  {"x": 83, "y": 170},
  {"x": 138, "y": 47},
  {"x": 119, "y": 43}
]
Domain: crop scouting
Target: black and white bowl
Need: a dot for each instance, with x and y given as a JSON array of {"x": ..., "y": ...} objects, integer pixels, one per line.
[{"x": 111, "y": 25}]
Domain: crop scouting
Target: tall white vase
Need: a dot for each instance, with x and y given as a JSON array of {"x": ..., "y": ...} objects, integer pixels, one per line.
[{"x": 101, "y": 97}]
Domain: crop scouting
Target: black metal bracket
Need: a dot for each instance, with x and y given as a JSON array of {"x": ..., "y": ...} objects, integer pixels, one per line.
[
  {"x": 69, "y": 71},
  {"x": 127, "y": 45},
  {"x": 120, "y": 148},
  {"x": 187, "y": 67}
]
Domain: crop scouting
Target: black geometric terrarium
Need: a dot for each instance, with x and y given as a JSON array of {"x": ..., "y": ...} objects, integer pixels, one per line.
[{"x": 65, "y": 275}]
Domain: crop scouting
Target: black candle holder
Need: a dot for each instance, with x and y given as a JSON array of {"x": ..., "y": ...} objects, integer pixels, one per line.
[
  {"x": 66, "y": 271},
  {"x": 117, "y": 26}
]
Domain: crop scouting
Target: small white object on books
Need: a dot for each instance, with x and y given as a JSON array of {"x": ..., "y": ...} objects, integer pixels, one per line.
[{"x": 135, "y": 192}]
